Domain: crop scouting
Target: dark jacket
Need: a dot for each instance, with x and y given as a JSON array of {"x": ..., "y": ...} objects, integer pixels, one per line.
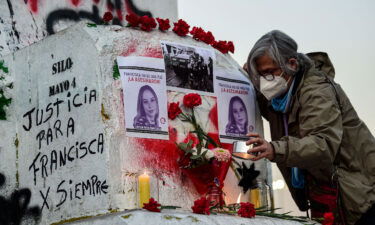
[{"x": 318, "y": 128}]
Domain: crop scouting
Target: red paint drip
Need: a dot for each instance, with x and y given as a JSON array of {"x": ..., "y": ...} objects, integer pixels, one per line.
[
  {"x": 75, "y": 2},
  {"x": 96, "y": 1},
  {"x": 152, "y": 52},
  {"x": 34, "y": 6},
  {"x": 131, "y": 48},
  {"x": 213, "y": 116},
  {"x": 160, "y": 154}
]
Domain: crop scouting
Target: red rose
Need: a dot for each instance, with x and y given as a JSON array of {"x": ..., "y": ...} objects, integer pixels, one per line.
[
  {"x": 181, "y": 28},
  {"x": 198, "y": 33},
  {"x": 133, "y": 20},
  {"x": 152, "y": 205},
  {"x": 208, "y": 38},
  {"x": 201, "y": 206},
  {"x": 191, "y": 100},
  {"x": 246, "y": 210},
  {"x": 222, "y": 46},
  {"x": 163, "y": 24},
  {"x": 107, "y": 17},
  {"x": 328, "y": 218},
  {"x": 230, "y": 46},
  {"x": 147, "y": 23},
  {"x": 174, "y": 110}
]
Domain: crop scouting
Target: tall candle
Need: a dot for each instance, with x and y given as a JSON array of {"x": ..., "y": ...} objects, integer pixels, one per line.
[
  {"x": 255, "y": 197},
  {"x": 143, "y": 189}
]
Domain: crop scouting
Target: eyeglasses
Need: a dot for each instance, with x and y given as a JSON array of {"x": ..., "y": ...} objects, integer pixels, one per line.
[{"x": 270, "y": 76}]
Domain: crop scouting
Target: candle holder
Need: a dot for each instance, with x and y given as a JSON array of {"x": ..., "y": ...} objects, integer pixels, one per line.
[
  {"x": 240, "y": 150},
  {"x": 147, "y": 187},
  {"x": 260, "y": 195}
]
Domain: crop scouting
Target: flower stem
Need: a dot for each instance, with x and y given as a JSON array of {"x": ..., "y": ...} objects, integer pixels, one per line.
[{"x": 235, "y": 171}]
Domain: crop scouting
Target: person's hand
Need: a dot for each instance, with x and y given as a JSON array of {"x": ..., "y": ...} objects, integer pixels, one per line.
[{"x": 262, "y": 148}]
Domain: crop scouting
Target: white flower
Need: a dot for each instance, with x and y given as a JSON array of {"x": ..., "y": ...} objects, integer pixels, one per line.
[
  {"x": 195, "y": 151},
  {"x": 209, "y": 154}
]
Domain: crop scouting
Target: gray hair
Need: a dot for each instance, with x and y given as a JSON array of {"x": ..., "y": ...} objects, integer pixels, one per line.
[{"x": 277, "y": 45}]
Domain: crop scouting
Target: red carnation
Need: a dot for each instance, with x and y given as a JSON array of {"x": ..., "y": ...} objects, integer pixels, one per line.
[
  {"x": 328, "y": 218},
  {"x": 191, "y": 100},
  {"x": 198, "y": 33},
  {"x": 147, "y": 23},
  {"x": 174, "y": 110},
  {"x": 208, "y": 38},
  {"x": 163, "y": 24},
  {"x": 222, "y": 46},
  {"x": 107, "y": 17},
  {"x": 201, "y": 206},
  {"x": 133, "y": 20},
  {"x": 246, "y": 210},
  {"x": 181, "y": 28},
  {"x": 152, "y": 205},
  {"x": 230, "y": 46}
]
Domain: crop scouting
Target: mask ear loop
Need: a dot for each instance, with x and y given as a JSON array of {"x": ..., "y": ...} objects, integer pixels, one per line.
[{"x": 282, "y": 75}]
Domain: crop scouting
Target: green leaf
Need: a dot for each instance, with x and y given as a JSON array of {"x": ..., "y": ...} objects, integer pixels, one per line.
[
  {"x": 3, "y": 102},
  {"x": 199, "y": 148},
  {"x": 3, "y": 67},
  {"x": 189, "y": 151},
  {"x": 91, "y": 25},
  {"x": 195, "y": 157},
  {"x": 169, "y": 207},
  {"x": 116, "y": 72},
  {"x": 190, "y": 143},
  {"x": 183, "y": 146}
]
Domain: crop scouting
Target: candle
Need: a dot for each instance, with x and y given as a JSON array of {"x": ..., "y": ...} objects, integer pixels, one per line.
[
  {"x": 255, "y": 197},
  {"x": 143, "y": 189}
]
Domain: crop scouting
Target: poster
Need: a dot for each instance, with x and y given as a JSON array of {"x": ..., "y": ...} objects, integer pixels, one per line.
[
  {"x": 145, "y": 97},
  {"x": 236, "y": 105},
  {"x": 188, "y": 67}
]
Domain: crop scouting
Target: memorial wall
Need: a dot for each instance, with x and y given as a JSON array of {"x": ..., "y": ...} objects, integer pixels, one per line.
[{"x": 75, "y": 133}]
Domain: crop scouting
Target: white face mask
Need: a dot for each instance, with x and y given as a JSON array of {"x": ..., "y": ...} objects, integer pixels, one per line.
[{"x": 274, "y": 88}]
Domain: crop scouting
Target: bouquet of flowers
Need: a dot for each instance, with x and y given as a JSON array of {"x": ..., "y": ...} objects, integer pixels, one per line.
[
  {"x": 202, "y": 158},
  {"x": 198, "y": 151}
]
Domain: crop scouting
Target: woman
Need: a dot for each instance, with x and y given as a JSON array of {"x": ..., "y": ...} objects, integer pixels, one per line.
[
  {"x": 324, "y": 151},
  {"x": 147, "y": 109},
  {"x": 237, "y": 117}
]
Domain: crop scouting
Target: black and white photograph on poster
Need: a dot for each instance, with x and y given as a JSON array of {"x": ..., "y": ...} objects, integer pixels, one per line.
[
  {"x": 189, "y": 67},
  {"x": 236, "y": 105},
  {"x": 145, "y": 97}
]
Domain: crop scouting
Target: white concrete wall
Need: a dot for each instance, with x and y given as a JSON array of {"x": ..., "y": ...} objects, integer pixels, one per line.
[
  {"x": 25, "y": 22},
  {"x": 92, "y": 52}
]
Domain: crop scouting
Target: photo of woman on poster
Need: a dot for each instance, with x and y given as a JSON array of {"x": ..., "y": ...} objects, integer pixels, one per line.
[
  {"x": 237, "y": 117},
  {"x": 147, "y": 109}
]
